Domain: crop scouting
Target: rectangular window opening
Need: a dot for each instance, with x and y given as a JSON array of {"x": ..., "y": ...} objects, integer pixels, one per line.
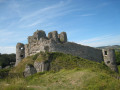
[{"x": 105, "y": 52}]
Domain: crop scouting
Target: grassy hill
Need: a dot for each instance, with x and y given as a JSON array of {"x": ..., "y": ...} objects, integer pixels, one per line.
[{"x": 67, "y": 73}]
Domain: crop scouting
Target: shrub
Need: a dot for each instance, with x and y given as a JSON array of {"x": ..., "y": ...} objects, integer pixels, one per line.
[
  {"x": 117, "y": 57},
  {"x": 35, "y": 56}
]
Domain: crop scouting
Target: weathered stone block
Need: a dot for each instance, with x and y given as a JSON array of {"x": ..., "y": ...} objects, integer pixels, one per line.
[
  {"x": 26, "y": 50},
  {"x": 53, "y": 35},
  {"x": 36, "y": 36},
  {"x": 49, "y": 35},
  {"x": 41, "y": 66},
  {"x": 29, "y": 70},
  {"x": 39, "y": 34},
  {"x": 63, "y": 37}
]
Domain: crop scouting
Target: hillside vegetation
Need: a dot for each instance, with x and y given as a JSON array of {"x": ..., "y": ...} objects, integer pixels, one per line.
[
  {"x": 67, "y": 73},
  {"x": 117, "y": 57},
  {"x": 5, "y": 59}
]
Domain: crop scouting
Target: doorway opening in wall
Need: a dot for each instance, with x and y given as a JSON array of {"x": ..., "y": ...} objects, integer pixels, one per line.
[{"x": 105, "y": 52}]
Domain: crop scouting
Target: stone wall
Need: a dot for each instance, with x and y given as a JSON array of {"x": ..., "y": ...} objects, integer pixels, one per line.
[
  {"x": 79, "y": 50},
  {"x": 41, "y": 45},
  {"x": 55, "y": 42},
  {"x": 58, "y": 43}
]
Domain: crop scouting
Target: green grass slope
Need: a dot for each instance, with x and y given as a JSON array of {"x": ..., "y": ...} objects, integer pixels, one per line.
[
  {"x": 67, "y": 73},
  {"x": 59, "y": 61}
]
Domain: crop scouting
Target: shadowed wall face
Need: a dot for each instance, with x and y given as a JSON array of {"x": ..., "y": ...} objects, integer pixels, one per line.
[
  {"x": 109, "y": 59},
  {"x": 86, "y": 52}
]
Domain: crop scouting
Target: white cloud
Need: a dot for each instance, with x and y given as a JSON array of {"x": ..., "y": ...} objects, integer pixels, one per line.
[
  {"x": 5, "y": 33},
  {"x": 44, "y": 15},
  {"x": 47, "y": 17},
  {"x": 87, "y": 14},
  {"x": 7, "y": 50},
  {"x": 96, "y": 39},
  {"x": 101, "y": 41},
  {"x": 44, "y": 10},
  {"x": 7, "y": 37}
]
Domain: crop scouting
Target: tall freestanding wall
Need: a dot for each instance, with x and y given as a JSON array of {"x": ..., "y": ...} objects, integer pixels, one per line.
[{"x": 20, "y": 52}]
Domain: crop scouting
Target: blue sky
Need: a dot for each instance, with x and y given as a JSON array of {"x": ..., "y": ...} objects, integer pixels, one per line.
[{"x": 87, "y": 22}]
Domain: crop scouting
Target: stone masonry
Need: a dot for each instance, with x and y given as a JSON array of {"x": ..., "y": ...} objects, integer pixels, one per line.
[
  {"x": 55, "y": 42},
  {"x": 109, "y": 59},
  {"x": 29, "y": 70},
  {"x": 20, "y": 52}
]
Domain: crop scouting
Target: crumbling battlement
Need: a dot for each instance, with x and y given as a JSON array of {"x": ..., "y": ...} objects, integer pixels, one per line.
[
  {"x": 40, "y": 42},
  {"x": 55, "y": 42}
]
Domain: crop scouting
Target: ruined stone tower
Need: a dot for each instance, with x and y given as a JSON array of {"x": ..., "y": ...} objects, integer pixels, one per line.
[
  {"x": 109, "y": 59},
  {"x": 20, "y": 53}
]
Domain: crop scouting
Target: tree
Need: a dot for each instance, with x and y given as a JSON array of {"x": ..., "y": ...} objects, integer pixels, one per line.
[
  {"x": 5, "y": 59},
  {"x": 117, "y": 57}
]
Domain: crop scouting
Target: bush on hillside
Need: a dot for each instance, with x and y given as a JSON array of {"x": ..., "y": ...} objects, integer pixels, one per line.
[{"x": 117, "y": 57}]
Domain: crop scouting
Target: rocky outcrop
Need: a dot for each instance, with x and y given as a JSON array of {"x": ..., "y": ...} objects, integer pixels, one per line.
[
  {"x": 42, "y": 66},
  {"x": 29, "y": 70}
]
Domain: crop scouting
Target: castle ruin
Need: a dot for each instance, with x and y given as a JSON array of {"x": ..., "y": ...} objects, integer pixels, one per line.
[{"x": 55, "y": 42}]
